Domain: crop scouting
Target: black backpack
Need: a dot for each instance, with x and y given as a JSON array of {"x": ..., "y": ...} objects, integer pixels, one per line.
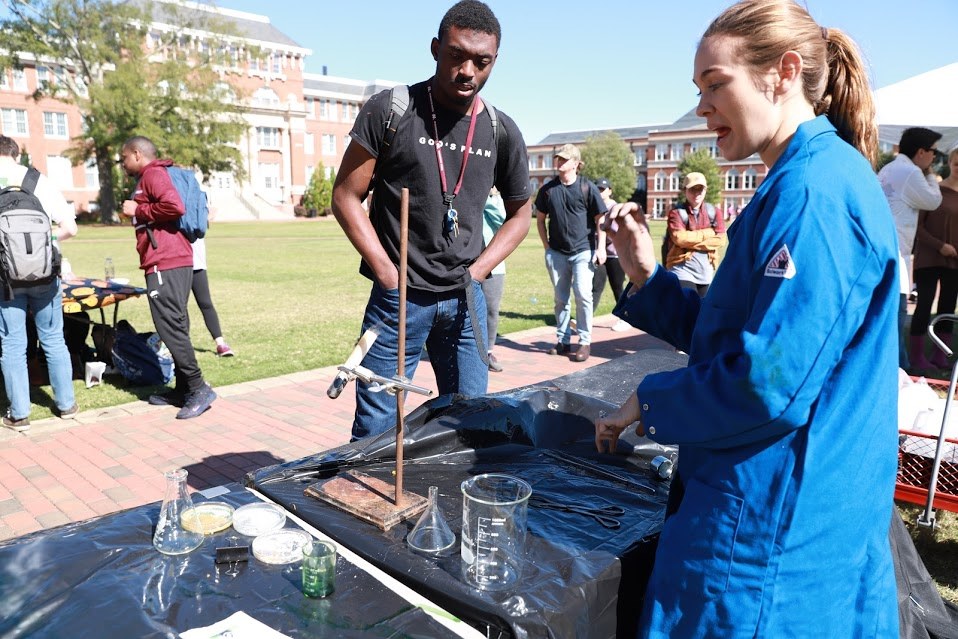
[
  {"x": 684, "y": 214},
  {"x": 399, "y": 105},
  {"x": 28, "y": 255}
]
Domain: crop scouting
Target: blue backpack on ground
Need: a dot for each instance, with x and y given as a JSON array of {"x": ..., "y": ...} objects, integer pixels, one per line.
[
  {"x": 138, "y": 361},
  {"x": 195, "y": 220}
]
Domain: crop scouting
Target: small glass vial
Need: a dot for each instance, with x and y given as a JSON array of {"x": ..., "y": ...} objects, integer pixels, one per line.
[
  {"x": 109, "y": 271},
  {"x": 172, "y": 537}
]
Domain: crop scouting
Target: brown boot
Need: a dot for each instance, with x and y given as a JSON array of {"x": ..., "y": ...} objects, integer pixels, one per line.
[{"x": 582, "y": 354}]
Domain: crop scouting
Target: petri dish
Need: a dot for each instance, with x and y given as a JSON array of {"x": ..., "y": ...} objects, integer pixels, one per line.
[
  {"x": 211, "y": 517},
  {"x": 281, "y": 547},
  {"x": 258, "y": 519}
]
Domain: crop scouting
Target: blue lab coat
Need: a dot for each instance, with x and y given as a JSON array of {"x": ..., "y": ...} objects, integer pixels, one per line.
[{"x": 786, "y": 414}]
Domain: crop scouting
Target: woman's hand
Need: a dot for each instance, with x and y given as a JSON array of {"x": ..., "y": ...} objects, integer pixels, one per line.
[
  {"x": 947, "y": 250},
  {"x": 609, "y": 427},
  {"x": 632, "y": 241}
]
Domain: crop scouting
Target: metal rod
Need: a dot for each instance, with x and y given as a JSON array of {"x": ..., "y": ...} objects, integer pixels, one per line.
[
  {"x": 927, "y": 517},
  {"x": 401, "y": 355}
]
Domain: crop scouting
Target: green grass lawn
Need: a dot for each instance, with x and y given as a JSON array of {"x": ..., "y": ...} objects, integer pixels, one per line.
[{"x": 289, "y": 296}]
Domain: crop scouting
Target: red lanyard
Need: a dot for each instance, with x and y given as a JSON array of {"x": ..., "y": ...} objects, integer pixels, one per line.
[{"x": 447, "y": 197}]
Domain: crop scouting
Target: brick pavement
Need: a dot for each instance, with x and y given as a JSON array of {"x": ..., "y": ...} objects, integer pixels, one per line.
[{"x": 63, "y": 471}]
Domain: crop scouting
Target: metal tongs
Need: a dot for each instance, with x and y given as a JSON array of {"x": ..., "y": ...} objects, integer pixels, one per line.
[{"x": 378, "y": 383}]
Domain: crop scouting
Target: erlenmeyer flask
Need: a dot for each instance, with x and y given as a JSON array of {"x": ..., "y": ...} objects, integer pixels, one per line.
[
  {"x": 171, "y": 536},
  {"x": 431, "y": 535}
]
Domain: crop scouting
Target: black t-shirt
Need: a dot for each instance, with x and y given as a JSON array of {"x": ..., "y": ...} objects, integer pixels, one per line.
[
  {"x": 437, "y": 261},
  {"x": 571, "y": 214}
]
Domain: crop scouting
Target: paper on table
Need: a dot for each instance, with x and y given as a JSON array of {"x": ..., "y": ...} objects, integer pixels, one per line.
[{"x": 239, "y": 625}]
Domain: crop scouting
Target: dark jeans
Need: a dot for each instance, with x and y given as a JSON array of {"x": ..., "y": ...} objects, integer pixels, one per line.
[
  {"x": 927, "y": 280},
  {"x": 438, "y": 321}
]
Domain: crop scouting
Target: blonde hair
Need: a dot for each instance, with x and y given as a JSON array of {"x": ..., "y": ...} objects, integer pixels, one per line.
[{"x": 833, "y": 75}]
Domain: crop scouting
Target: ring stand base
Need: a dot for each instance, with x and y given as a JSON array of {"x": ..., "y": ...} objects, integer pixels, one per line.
[{"x": 368, "y": 498}]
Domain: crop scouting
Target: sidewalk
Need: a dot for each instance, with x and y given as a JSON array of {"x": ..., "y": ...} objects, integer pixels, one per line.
[{"x": 62, "y": 471}]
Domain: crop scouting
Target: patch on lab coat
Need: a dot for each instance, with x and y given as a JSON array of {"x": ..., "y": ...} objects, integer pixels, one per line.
[{"x": 781, "y": 264}]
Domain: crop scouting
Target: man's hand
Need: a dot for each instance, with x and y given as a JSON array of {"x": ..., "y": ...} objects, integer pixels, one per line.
[
  {"x": 609, "y": 427},
  {"x": 600, "y": 256},
  {"x": 632, "y": 241},
  {"x": 947, "y": 250},
  {"x": 129, "y": 208}
]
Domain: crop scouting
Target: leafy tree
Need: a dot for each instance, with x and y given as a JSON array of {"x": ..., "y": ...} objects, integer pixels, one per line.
[
  {"x": 703, "y": 162},
  {"x": 319, "y": 192},
  {"x": 96, "y": 52},
  {"x": 607, "y": 155}
]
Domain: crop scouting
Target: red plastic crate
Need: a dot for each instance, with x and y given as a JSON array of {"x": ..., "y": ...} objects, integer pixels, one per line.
[{"x": 916, "y": 456}]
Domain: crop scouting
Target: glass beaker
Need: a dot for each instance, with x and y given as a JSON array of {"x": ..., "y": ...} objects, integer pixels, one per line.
[
  {"x": 494, "y": 509},
  {"x": 431, "y": 535},
  {"x": 172, "y": 537}
]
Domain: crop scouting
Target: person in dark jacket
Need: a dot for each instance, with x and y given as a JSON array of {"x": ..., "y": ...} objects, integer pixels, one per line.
[{"x": 166, "y": 258}]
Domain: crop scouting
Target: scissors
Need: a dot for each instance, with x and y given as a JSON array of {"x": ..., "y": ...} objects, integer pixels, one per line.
[{"x": 605, "y": 515}]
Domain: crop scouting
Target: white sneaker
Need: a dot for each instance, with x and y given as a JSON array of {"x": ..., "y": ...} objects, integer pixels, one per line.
[
  {"x": 620, "y": 326},
  {"x": 572, "y": 325}
]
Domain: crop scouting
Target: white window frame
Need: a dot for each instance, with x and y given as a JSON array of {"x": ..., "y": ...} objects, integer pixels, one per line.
[
  {"x": 270, "y": 175},
  {"x": 749, "y": 178},
  {"x": 732, "y": 180},
  {"x": 4, "y": 81},
  {"x": 309, "y": 143},
  {"x": 91, "y": 174},
  {"x": 659, "y": 183},
  {"x": 674, "y": 181},
  {"x": 268, "y": 137},
  {"x": 19, "y": 80},
  {"x": 329, "y": 144},
  {"x": 661, "y": 151},
  {"x": 15, "y": 122},
  {"x": 55, "y": 125}
]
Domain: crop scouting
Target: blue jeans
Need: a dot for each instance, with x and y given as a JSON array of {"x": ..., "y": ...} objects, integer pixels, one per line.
[
  {"x": 46, "y": 303},
  {"x": 438, "y": 321},
  {"x": 572, "y": 274}
]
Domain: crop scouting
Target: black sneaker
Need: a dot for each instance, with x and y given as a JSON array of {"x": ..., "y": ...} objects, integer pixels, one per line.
[
  {"x": 19, "y": 425},
  {"x": 175, "y": 397},
  {"x": 197, "y": 402},
  {"x": 560, "y": 349}
]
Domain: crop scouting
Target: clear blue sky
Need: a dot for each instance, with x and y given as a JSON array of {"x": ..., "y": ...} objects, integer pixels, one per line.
[{"x": 569, "y": 65}]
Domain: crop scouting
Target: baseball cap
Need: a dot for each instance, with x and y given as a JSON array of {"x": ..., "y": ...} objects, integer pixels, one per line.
[
  {"x": 569, "y": 152},
  {"x": 695, "y": 179},
  {"x": 603, "y": 184}
]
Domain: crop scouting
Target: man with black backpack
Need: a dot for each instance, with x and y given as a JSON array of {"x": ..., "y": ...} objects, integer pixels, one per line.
[
  {"x": 572, "y": 204},
  {"x": 694, "y": 234},
  {"x": 449, "y": 148},
  {"x": 166, "y": 258},
  {"x": 30, "y": 274}
]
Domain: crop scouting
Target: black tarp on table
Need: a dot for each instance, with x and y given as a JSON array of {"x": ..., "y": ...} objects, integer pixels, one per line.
[
  {"x": 581, "y": 579},
  {"x": 102, "y": 579}
]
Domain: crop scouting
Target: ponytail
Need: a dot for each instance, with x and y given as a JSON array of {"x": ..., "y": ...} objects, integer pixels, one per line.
[{"x": 833, "y": 77}]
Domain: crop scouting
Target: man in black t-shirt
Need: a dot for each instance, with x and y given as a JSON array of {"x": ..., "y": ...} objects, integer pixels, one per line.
[
  {"x": 571, "y": 203},
  {"x": 446, "y": 153}
]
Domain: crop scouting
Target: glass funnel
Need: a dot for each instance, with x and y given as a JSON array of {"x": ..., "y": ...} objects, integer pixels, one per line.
[
  {"x": 173, "y": 536},
  {"x": 431, "y": 535}
]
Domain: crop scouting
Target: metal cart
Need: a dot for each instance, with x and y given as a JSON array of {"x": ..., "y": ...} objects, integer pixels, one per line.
[{"x": 928, "y": 465}]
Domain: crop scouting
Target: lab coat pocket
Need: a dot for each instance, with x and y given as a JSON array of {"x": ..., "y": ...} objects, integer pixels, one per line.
[{"x": 701, "y": 537}]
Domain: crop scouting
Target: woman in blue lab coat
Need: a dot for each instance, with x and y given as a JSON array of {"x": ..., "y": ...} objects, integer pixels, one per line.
[{"x": 786, "y": 414}]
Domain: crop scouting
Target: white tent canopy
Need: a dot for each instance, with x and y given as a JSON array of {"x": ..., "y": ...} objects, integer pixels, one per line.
[{"x": 927, "y": 99}]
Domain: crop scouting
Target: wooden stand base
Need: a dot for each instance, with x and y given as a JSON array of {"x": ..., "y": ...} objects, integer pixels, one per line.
[{"x": 368, "y": 498}]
